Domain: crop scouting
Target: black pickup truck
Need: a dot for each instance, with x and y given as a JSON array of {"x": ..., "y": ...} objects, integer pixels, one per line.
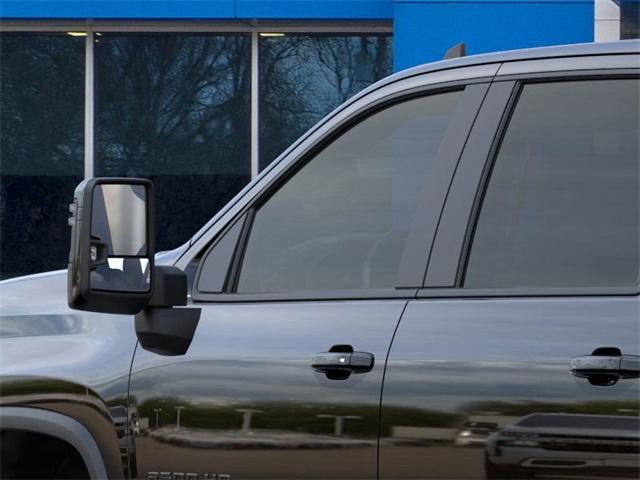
[{"x": 457, "y": 245}]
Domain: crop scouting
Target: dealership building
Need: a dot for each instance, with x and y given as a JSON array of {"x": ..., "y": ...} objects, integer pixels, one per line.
[{"x": 201, "y": 95}]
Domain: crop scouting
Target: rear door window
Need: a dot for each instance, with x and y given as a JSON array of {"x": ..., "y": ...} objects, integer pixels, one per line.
[{"x": 562, "y": 203}]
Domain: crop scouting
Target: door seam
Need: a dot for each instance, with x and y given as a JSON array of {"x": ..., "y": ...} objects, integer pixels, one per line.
[{"x": 384, "y": 373}]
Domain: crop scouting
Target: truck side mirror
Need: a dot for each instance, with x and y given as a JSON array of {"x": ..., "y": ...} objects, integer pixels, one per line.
[
  {"x": 111, "y": 267},
  {"x": 111, "y": 264}
]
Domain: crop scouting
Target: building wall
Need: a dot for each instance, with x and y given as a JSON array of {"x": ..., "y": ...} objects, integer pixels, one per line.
[
  {"x": 199, "y": 9},
  {"x": 607, "y": 21},
  {"x": 423, "y": 29}
]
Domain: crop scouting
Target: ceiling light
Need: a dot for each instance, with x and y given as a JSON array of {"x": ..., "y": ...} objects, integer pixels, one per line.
[
  {"x": 77, "y": 34},
  {"x": 271, "y": 34}
]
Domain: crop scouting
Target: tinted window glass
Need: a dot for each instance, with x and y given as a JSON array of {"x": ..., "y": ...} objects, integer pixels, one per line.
[
  {"x": 41, "y": 148},
  {"x": 304, "y": 77},
  {"x": 218, "y": 259},
  {"x": 175, "y": 108},
  {"x": 629, "y": 19},
  {"x": 561, "y": 208},
  {"x": 342, "y": 221}
]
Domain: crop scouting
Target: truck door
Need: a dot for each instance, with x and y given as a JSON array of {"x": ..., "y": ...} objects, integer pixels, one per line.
[
  {"x": 300, "y": 295},
  {"x": 519, "y": 358}
]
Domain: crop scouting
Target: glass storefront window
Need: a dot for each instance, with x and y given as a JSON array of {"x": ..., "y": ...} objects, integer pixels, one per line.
[
  {"x": 304, "y": 77},
  {"x": 629, "y": 19},
  {"x": 41, "y": 148},
  {"x": 175, "y": 108}
]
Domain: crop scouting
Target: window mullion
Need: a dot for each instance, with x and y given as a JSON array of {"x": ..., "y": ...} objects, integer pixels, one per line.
[
  {"x": 89, "y": 105},
  {"x": 254, "y": 104}
]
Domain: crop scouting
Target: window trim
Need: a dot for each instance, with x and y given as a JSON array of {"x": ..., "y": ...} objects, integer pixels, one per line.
[
  {"x": 482, "y": 186},
  {"x": 417, "y": 248},
  {"x": 446, "y": 249},
  {"x": 518, "y": 292},
  {"x": 307, "y": 295},
  {"x": 470, "y": 185},
  {"x": 245, "y": 220},
  {"x": 233, "y": 274}
]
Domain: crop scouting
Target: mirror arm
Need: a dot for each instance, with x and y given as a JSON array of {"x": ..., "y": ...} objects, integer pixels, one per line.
[
  {"x": 165, "y": 330},
  {"x": 160, "y": 328},
  {"x": 170, "y": 287}
]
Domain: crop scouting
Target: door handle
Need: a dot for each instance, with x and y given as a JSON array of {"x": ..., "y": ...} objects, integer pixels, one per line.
[
  {"x": 341, "y": 361},
  {"x": 605, "y": 366},
  {"x": 355, "y": 362}
]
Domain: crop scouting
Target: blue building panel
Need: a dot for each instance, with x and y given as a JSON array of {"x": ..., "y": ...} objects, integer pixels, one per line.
[
  {"x": 198, "y": 9},
  {"x": 424, "y": 30},
  {"x": 314, "y": 9},
  {"x": 117, "y": 9}
]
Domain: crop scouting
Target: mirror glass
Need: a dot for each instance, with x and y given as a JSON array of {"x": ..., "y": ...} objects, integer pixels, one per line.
[
  {"x": 119, "y": 223},
  {"x": 119, "y": 219}
]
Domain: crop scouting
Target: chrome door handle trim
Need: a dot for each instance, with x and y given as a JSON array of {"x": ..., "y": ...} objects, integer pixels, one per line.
[
  {"x": 355, "y": 362},
  {"x": 622, "y": 366}
]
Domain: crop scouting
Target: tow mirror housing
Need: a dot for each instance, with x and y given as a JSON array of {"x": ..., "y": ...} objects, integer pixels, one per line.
[
  {"x": 111, "y": 264},
  {"x": 111, "y": 259}
]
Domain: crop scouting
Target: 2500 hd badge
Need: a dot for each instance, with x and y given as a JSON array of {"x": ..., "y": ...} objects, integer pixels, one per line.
[{"x": 187, "y": 476}]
